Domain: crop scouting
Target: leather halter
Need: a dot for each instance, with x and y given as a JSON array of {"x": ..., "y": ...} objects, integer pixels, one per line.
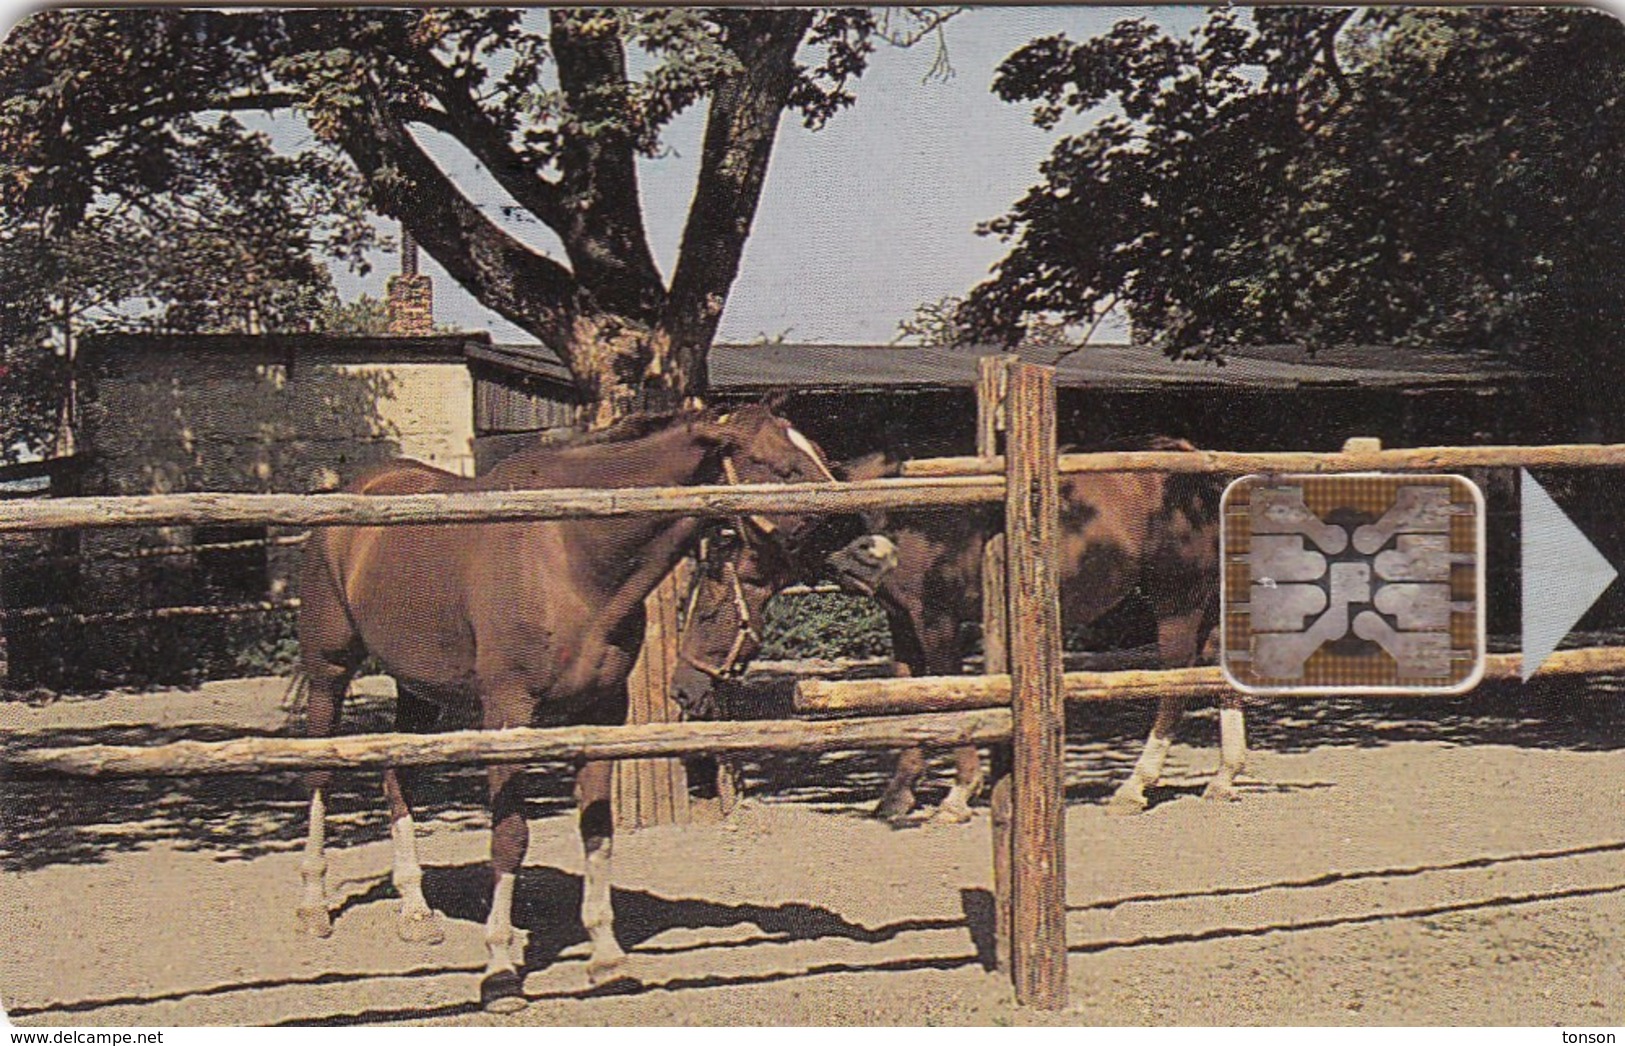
[
  {"x": 747, "y": 628},
  {"x": 762, "y": 523}
]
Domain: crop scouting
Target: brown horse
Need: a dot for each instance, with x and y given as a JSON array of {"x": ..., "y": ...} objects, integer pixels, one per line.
[
  {"x": 531, "y": 623},
  {"x": 1121, "y": 531}
]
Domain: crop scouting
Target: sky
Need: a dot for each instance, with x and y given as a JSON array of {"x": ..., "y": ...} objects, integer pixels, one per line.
[{"x": 859, "y": 222}]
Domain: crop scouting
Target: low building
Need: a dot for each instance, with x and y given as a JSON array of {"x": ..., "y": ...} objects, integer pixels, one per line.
[{"x": 261, "y": 414}]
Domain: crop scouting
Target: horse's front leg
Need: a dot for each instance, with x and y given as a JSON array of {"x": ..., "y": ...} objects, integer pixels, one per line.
[
  {"x": 593, "y": 783},
  {"x": 416, "y": 921},
  {"x": 1180, "y": 636},
  {"x": 897, "y": 800},
  {"x": 1232, "y": 749},
  {"x": 1130, "y": 796}
]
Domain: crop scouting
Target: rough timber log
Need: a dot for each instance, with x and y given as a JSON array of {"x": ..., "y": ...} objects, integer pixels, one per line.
[
  {"x": 951, "y": 693},
  {"x": 253, "y": 755}
]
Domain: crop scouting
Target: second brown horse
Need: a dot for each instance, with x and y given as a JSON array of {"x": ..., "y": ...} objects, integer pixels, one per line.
[{"x": 1120, "y": 532}]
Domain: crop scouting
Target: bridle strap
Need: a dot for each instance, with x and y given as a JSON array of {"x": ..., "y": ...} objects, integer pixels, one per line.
[
  {"x": 747, "y": 628},
  {"x": 762, "y": 523}
]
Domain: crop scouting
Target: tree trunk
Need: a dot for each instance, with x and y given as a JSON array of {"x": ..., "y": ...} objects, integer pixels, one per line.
[{"x": 621, "y": 367}]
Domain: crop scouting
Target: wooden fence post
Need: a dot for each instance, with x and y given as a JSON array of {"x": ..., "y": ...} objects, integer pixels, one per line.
[
  {"x": 1032, "y": 512},
  {"x": 990, "y": 390},
  {"x": 650, "y": 792}
]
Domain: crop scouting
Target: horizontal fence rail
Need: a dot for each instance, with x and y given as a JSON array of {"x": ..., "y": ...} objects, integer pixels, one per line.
[
  {"x": 1409, "y": 459},
  {"x": 957, "y": 693},
  {"x": 367, "y": 510},
  {"x": 522, "y": 745},
  {"x": 926, "y": 483}
]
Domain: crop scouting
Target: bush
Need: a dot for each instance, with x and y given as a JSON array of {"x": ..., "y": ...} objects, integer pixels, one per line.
[{"x": 825, "y": 625}]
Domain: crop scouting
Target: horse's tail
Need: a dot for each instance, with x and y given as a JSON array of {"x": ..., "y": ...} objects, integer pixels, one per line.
[{"x": 293, "y": 699}]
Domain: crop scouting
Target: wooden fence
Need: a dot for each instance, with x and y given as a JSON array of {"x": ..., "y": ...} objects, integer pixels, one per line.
[
  {"x": 1023, "y": 650},
  {"x": 1029, "y": 492}
]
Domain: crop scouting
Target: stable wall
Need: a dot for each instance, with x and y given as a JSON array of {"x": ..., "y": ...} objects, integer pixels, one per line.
[{"x": 261, "y": 414}]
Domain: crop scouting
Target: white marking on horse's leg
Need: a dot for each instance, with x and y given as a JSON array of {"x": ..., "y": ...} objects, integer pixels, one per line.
[
  {"x": 1130, "y": 796},
  {"x": 1232, "y": 750},
  {"x": 313, "y": 915},
  {"x": 955, "y": 808},
  {"x": 501, "y": 988},
  {"x": 499, "y": 927},
  {"x": 417, "y": 920},
  {"x": 597, "y": 914}
]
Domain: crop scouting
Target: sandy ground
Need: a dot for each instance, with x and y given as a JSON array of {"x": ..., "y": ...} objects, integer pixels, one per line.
[{"x": 1438, "y": 863}]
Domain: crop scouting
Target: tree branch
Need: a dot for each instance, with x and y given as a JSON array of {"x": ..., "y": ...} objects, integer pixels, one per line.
[
  {"x": 603, "y": 229},
  {"x": 487, "y": 141},
  {"x": 740, "y": 130},
  {"x": 530, "y": 289}
]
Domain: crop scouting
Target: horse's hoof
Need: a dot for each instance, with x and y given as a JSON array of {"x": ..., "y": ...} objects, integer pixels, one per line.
[
  {"x": 1126, "y": 804},
  {"x": 315, "y": 922},
  {"x": 952, "y": 814},
  {"x": 1218, "y": 793},
  {"x": 500, "y": 992},
  {"x": 420, "y": 928},
  {"x": 894, "y": 806}
]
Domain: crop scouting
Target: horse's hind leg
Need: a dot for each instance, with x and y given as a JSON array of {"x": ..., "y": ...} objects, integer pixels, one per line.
[
  {"x": 417, "y": 921},
  {"x": 1179, "y": 637},
  {"x": 1232, "y": 749},
  {"x": 325, "y": 697}
]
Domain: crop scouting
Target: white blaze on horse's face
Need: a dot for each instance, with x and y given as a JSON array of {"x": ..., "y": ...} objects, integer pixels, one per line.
[{"x": 805, "y": 445}]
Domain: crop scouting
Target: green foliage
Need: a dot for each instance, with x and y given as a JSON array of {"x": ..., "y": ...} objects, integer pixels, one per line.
[
  {"x": 365, "y": 315},
  {"x": 1326, "y": 177},
  {"x": 115, "y": 110},
  {"x": 825, "y": 625}
]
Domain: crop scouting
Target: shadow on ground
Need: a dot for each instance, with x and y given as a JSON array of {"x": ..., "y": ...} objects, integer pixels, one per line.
[
  {"x": 48, "y": 821},
  {"x": 547, "y": 903}
]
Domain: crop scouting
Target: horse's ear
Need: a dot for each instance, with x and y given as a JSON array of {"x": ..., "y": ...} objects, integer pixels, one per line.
[{"x": 776, "y": 399}]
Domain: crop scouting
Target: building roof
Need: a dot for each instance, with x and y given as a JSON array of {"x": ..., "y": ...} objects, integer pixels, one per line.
[
  {"x": 330, "y": 348},
  {"x": 750, "y": 369},
  {"x": 840, "y": 368}
]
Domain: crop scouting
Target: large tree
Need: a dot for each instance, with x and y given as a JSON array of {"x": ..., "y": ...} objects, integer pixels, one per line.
[
  {"x": 1326, "y": 177},
  {"x": 556, "y": 105}
]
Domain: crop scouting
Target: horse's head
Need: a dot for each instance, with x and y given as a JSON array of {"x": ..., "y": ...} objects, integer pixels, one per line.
[
  {"x": 758, "y": 446},
  {"x": 725, "y": 609},
  {"x": 723, "y": 616}
]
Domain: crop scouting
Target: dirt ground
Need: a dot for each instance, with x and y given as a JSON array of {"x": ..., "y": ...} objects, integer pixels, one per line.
[{"x": 1391, "y": 863}]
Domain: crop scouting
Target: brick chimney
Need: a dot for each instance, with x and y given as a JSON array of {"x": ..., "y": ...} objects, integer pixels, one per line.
[{"x": 410, "y": 294}]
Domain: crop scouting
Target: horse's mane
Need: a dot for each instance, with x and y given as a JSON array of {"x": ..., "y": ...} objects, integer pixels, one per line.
[
  {"x": 622, "y": 430},
  {"x": 631, "y": 427}
]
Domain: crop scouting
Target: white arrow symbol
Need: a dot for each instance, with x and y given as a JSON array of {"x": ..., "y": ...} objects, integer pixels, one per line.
[{"x": 1563, "y": 574}]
